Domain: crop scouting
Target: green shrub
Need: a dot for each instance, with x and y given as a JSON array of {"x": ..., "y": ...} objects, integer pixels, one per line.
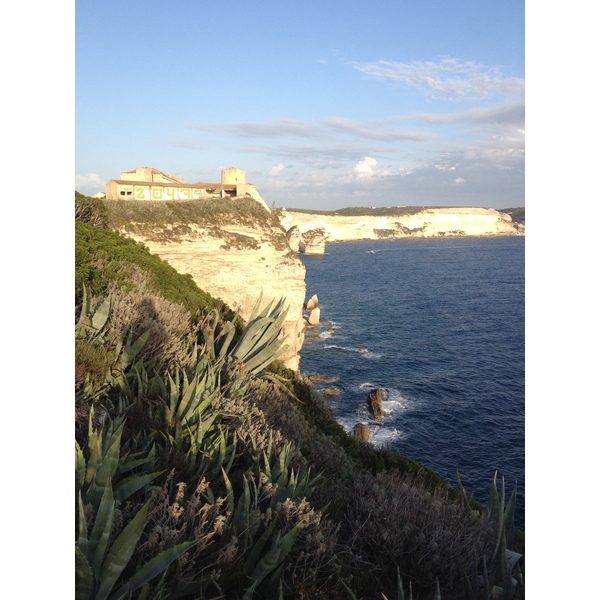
[
  {"x": 104, "y": 257},
  {"x": 90, "y": 210},
  {"x": 93, "y": 360}
]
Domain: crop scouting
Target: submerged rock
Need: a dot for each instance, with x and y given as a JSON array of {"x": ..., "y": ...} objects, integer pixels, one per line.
[
  {"x": 375, "y": 401},
  {"x": 331, "y": 392},
  {"x": 320, "y": 377}
]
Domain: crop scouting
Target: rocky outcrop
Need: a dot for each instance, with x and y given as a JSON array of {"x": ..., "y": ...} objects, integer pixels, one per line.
[
  {"x": 312, "y": 303},
  {"x": 323, "y": 378},
  {"x": 375, "y": 401},
  {"x": 425, "y": 222},
  {"x": 315, "y": 316},
  {"x": 239, "y": 264},
  {"x": 313, "y": 241},
  {"x": 294, "y": 237},
  {"x": 361, "y": 432}
]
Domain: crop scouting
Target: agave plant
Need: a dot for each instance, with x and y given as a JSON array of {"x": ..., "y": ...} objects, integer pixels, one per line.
[
  {"x": 502, "y": 577},
  {"x": 100, "y": 557},
  {"x": 93, "y": 316},
  {"x": 259, "y": 344}
]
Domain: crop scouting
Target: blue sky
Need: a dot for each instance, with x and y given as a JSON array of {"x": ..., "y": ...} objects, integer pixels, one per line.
[{"x": 325, "y": 104}]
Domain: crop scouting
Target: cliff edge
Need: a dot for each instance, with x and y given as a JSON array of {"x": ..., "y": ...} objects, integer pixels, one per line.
[
  {"x": 233, "y": 248},
  {"x": 400, "y": 222}
]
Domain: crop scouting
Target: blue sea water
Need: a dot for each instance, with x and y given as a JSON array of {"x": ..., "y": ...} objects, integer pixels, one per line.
[{"x": 438, "y": 323}]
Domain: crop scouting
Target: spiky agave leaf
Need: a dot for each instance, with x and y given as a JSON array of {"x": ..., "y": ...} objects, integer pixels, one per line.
[
  {"x": 277, "y": 553},
  {"x": 83, "y": 576},
  {"x": 120, "y": 553},
  {"x": 151, "y": 569}
]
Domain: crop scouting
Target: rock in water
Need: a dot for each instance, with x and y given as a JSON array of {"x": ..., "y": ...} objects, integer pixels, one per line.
[
  {"x": 375, "y": 401},
  {"x": 320, "y": 378},
  {"x": 361, "y": 432},
  {"x": 312, "y": 303},
  {"x": 331, "y": 392},
  {"x": 313, "y": 242},
  {"x": 315, "y": 316}
]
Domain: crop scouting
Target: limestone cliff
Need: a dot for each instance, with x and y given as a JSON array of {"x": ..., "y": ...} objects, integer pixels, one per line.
[
  {"x": 407, "y": 222},
  {"x": 232, "y": 257}
]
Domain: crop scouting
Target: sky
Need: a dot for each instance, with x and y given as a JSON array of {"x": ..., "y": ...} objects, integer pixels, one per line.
[{"x": 325, "y": 104}]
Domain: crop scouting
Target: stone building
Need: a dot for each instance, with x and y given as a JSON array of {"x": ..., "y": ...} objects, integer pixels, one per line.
[{"x": 145, "y": 183}]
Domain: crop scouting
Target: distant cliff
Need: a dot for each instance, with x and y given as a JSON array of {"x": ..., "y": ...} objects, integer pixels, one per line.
[
  {"x": 399, "y": 222},
  {"x": 233, "y": 248}
]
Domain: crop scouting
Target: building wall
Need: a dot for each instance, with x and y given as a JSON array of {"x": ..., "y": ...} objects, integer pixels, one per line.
[
  {"x": 233, "y": 176},
  {"x": 119, "y": 190}
]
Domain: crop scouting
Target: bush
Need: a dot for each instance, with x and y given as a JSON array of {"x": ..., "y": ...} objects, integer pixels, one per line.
[
  {"x": 90, "y": 210},
  {"x": 105, "y": 258},
  {"x": 396, "y": 522}
]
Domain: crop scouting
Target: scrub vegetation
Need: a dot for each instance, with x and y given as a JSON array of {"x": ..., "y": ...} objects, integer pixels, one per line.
[
  {"x": 206, "y": 469},
  {"x": 175, "y": 221}
]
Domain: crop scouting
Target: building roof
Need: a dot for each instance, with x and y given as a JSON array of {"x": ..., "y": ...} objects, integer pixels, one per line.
[{"x": 152, "y": 169}]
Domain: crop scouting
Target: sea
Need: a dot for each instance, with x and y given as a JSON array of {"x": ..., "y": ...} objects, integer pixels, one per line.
[{"x": 439, "y": 324}]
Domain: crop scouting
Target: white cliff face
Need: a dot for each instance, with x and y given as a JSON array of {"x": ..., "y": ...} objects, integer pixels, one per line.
[
  {"x": 240, "y": 275},
  {"x": 432, "y": 222}
]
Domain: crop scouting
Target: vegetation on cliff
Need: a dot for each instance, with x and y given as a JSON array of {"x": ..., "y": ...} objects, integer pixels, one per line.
[
  {"x": 204, "y": 469},
  {"x": 516, "y": 214},
  {"x": 173, "y": 221}
]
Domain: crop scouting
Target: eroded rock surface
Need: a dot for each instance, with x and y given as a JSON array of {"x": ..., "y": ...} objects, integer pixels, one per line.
[
  {"x": 428, "y": 222},
  {"x": 361, "y": 432},
  {"x": 375, "y": 401},
  {"x": 313, "y": 241},
  {"x": 238, "y": 268}
]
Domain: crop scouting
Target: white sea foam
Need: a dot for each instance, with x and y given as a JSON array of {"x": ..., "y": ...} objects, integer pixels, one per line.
[
  {"x": 379, "y": 435},
  {"x": 385, "y": 436},
  {"x": 349, "y": 349},
  {"x": 325, "y": 334}
]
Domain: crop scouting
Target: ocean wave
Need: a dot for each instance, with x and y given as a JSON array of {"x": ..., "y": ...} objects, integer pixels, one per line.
[
  {"x": 384, "y": 436},
  {"x": 349, "y": 349},
  {"x": 379, "y": 435}
]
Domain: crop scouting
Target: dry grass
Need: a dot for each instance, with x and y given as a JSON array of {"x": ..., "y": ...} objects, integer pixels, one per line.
[
  {"x": 172, "y": 334},
  {"x": 394, "y": 521}
]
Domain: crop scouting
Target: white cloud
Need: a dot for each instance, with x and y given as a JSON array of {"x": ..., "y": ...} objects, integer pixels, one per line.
[
  {"x": 459, "y": 180},
  {"x": 364, "y": 168},
  {"x": 449, "y": 78},
  {"x": 274, "y": 171},
  {"x": 89, "y": 184}
]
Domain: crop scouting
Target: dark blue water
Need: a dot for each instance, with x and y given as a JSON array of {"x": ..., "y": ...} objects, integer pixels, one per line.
[{"x": 440, "y": 324}]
